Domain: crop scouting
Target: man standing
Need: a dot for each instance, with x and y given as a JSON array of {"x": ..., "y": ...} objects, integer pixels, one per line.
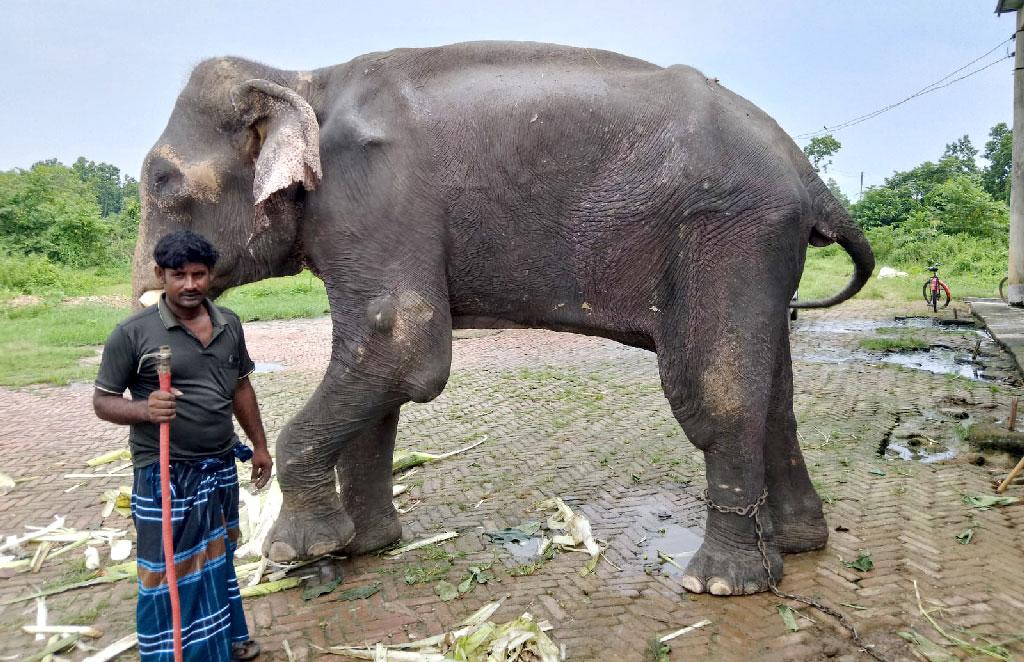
[{"x": 210, "y": 370}]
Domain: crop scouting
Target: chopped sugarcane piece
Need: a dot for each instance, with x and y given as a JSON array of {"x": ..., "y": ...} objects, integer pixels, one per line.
[
  {"x": 84, "y": 630},
  {"x": 37, "y": 559},
  {"x": 114, "y": 573},
  {"x": 423, "y": 543},
  {"x": 271, "y": 587},
  {"x": 688, "y": 628},
  {"x": 13, "y": 541},
  {"x": 403, "y": 460},
  {"x": 57, "y": 645},
  {"x": 41, "y": 615},
  {"x": 113, "y": 650},
  {"x": 110, "y": 456},
  {"x": 6, "y": 483}
]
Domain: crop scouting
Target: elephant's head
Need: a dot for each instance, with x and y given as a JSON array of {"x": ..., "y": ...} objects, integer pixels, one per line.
[{"x": 239, "y": 150}]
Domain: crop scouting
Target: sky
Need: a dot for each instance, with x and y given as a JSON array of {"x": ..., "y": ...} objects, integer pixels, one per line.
[{"x": 98, "y": 78}]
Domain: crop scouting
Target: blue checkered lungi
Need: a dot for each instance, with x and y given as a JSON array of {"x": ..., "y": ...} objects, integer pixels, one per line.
[{"x": 204, "y": 516}]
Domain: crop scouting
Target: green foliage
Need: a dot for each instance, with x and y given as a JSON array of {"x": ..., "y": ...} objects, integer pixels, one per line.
[
  {"x": 913, "y": 248},
  {"x": 960, "y": 206},
  {"x": 999, "y": 153},
  {"x": 821, "y": 148},
  {"x": 936, "y": 200},
  {"x": 78, "y": 216},
  {"x": 882, "y": 206},
  {"x": 104, "y": 180},
  {"x": 35, "y": 275},
  {"x": 833, "y": 186},
  {"x": 962, "y": 153}
]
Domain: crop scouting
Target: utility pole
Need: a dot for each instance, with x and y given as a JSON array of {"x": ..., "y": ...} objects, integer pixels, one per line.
[{"x": 1015, "y": 268}]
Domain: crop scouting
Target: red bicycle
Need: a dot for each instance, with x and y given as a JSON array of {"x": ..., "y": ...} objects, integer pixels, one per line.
[{"x": 934, "y": 289}]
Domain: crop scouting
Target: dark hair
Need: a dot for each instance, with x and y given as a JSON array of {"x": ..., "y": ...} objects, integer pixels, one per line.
[{"x": 176, "y": 249}]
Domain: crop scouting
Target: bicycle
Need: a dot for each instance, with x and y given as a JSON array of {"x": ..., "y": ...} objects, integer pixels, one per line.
[{"x": 934, "y": 289}]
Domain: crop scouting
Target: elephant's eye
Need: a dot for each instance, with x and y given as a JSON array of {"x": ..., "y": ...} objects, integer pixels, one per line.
[{"x": 166, "y": 181}]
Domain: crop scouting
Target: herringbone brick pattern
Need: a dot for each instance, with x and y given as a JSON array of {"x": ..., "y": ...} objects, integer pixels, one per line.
[{"x": 584, "y": 419}]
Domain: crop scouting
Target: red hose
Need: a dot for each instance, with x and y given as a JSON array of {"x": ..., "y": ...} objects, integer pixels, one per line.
[{"x": 168, "y": 531}]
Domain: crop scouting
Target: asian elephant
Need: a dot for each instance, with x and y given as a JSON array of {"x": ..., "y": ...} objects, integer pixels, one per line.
[{"x": 501, "y": 184}]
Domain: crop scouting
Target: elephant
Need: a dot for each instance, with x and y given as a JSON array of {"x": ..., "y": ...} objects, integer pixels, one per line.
[{"x": 511, "y": 185}]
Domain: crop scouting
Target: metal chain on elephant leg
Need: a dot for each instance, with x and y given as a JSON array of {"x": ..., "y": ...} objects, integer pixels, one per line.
[{"x": 753, "y": 511}]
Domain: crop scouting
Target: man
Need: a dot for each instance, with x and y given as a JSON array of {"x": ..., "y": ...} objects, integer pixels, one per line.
[{"x": 210, "y": 370}]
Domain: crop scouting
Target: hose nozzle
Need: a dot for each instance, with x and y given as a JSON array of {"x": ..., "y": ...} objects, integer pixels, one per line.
[{"x": 162, "y": 357}]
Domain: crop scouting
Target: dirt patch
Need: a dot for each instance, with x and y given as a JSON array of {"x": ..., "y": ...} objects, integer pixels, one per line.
[
  {"x": 99, "y": 299},
  {"x": 23, "y": 300}
]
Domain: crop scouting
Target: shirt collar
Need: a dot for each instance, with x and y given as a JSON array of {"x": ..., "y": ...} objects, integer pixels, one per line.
[{"x": 170, "y": 321}]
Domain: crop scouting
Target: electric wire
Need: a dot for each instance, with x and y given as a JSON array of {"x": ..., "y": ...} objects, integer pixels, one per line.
[{"x": 931, "y": 87}]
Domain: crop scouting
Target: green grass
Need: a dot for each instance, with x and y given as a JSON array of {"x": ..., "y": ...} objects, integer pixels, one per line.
[
  {"x": 291, "y": 297},
  {"x": 900, "y": 344},
  {"x": 828, "y": 269},
  {"x": 46, "y": 343}
]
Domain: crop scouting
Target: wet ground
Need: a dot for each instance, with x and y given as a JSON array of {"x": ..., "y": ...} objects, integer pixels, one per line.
[{"x": 881, "y": 425}]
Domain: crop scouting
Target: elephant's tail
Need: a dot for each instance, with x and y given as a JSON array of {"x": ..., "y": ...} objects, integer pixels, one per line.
[{"x": 835, "y": 225}]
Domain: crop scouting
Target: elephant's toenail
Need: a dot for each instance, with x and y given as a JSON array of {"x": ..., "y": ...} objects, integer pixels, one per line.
[
  {"x": 751, "y": 588},
  {"x": 692, "y": 584},
  {"x": 719, "y": 587},
  {"x": 281, "y": 552}
]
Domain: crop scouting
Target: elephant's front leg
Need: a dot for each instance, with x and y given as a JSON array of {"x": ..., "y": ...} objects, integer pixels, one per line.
[
  {"x": 346, "y": 432},
  {"x": 364, "y": 473}
]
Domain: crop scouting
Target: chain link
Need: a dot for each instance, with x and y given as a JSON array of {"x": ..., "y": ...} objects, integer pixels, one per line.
[{"x": 753, "y": 511}]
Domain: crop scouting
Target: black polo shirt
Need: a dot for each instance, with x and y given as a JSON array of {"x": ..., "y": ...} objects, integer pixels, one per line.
[{"x": 206, "y": 376}]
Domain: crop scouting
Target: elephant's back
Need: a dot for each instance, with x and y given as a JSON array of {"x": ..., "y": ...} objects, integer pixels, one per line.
[{"x": 476, "y": 57}]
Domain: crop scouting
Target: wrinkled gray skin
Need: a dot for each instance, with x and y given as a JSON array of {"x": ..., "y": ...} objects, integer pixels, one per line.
[{"x": 511, "y": 184}]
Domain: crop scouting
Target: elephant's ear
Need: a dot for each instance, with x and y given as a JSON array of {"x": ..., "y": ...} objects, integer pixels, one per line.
[{"x": 289, "y": 136}]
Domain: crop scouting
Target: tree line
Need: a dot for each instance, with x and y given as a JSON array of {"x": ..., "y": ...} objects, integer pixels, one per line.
[
  {"x": 82, "y": 215},
  {"x": 950, "y": 210}
]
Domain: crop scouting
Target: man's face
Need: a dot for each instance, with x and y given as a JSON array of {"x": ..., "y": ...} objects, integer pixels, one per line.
[{"x": 186, "y": 286}]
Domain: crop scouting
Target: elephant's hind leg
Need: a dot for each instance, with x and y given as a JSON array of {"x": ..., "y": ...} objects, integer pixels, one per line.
[
  {"x": 717, "y": 376},
  {"x": 794, "y": 505}
]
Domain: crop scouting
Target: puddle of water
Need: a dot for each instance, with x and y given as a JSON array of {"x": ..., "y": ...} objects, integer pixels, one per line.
[
  {"x": 675, "y": 541},
  {"x": 925, "y": 453},
  {"x": 842, "y": 326},
  {"x": 938, "y": 361},
  {"x": 860, "y": 326},
  {"x": 269, "y": 367},
  {"x": 524, "y": 544},
  {"x": 524, "y": 551}
]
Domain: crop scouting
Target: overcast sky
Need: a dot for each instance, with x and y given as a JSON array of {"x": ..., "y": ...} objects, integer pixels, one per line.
[{"x": 98, "y": 78}]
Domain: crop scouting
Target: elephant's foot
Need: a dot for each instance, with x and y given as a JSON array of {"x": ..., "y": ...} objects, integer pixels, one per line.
[
  {"x": 802, "y": 535},
  {"x": 724, "y": 569},
  {"x": 303, "y": 534},
  {"x": 799, "y": 524},
  {"x": 375, "y": 532}
]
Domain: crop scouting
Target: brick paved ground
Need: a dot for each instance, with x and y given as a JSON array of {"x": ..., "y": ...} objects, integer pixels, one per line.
[{"x": 584, "y": 419}]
